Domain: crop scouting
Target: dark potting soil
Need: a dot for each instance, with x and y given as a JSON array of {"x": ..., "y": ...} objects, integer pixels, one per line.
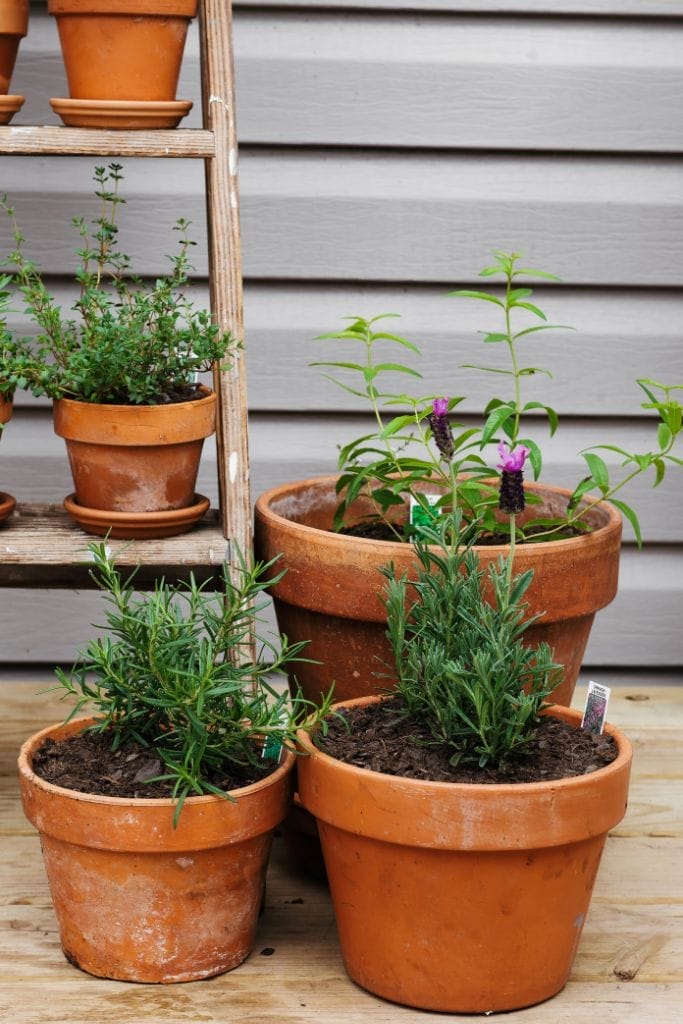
[
  {"x": 381, "y": 738},
  {"x": 380, "y": 531},
  {"x": 86, "y": 762}
]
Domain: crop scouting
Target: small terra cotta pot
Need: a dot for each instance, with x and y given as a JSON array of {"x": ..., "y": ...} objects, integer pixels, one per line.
[
  {"x": 331, "y": 592},
  {"x": 455, "y": 897},
  {"x": 122, "y": 49},
  {"x": 139, "y": 900},
  {"x": 135, "y": 458},
  {"x": 7, "y": 502},
  {"x": 13, "y": 27}
]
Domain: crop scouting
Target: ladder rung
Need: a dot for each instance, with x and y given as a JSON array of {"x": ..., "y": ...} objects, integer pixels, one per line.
[{"x": 32, "y": 140}]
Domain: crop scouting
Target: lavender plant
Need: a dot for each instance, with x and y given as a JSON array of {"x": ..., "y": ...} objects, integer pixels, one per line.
[
  {"x": 462, "y": 668},
  {"x": 417, "y": 446}
]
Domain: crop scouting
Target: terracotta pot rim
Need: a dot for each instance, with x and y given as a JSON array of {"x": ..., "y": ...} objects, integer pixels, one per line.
[
  {"x": 76, "y": 724},
  {"x": 494, "y": 789},
  {"x": 137, "y": 426},
  {"x": 160, "y": 8},
  {"x": 263, "y": 507}
]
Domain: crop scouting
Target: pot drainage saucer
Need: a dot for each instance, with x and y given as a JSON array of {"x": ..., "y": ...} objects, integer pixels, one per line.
[
  {"x": 122, "y": 114},
  {"x": 7, "y": 503},
  {"x": 9, "y": 106},
  {"x": 136, "y": 525}
]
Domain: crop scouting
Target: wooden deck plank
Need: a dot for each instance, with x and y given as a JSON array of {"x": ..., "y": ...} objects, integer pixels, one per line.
[{"x": 629, "y": 967}]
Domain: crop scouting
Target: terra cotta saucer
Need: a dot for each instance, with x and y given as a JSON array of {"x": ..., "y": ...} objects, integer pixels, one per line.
[
  {"x": 7, "y": 503},
  {"x": 136, "y": 525},
  {"x": 122, "y": 114},
  {"x": 9, "y": 106}
]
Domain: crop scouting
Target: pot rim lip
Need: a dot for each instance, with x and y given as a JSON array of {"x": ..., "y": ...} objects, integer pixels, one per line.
[
  {"x": 263, "y": 507},
  {"x": 178, "y": 8},
  {"x": 35, "y": 740},
  {"x": 624, "y": 755},
  {"x": 208, "y": 395}
]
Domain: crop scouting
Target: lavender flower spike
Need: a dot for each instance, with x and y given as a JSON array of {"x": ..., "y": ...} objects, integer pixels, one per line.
[
  {"x": 512, "y": 479},
  {"x": 441, "y": 428}
]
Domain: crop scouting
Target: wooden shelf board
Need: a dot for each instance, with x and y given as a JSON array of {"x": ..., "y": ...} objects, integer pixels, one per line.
[
  {"x": 36, "y": 140},
  {"x": 40, "y": 546}
]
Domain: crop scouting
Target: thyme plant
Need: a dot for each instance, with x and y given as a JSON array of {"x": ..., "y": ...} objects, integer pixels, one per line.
[
  {"x": 15, "y": 355},
  {"x": 130, "y": 342},
  {"x": 415, "y": 446},
  {"x": 166, "y": 675},
  {"x": 456, "y": 634}
]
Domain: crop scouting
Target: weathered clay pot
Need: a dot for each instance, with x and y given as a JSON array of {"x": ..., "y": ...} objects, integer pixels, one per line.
[
  {"x": 330, "y": 593},
  {"x": 13, "y": 27},
  {"x": 122, "y": 49},
  {"x": 7, "y": 502},
  {"x": 135, "y": 458},
  {"x": 139, "y": 900},
  {"x": 461, "y": 898}
]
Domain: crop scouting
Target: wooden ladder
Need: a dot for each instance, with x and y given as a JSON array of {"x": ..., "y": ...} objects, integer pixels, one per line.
[{"x": 39, "y": 544}]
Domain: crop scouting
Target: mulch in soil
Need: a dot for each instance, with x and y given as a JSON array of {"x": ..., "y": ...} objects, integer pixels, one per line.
[
  {"x": 381, "y": 738},
  {"x": 85, "y": 762}
]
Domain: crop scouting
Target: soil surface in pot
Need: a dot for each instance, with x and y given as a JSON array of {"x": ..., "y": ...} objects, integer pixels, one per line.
[
  {"x": 380, "y": 531},
  {"x": 382, "y": 738},
  {"x": 85, "y": 762}
]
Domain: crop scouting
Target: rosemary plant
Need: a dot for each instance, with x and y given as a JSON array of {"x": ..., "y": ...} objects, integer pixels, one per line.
[
  {"x": 168, "y": 675},
  {"x": 456, "y": 634}
]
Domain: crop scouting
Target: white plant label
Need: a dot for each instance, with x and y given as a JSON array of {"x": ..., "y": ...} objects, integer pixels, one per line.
[{"x": 595, "y": 712}]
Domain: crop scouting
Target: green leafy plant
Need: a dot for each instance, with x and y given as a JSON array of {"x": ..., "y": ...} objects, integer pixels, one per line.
[
  {"x": 463, "y": 670},
  {"x": 15, "y": 355},
  {"x": 130, "y": 342},
  {"x": 415, "y": 446},
  {"x": 170, "y": 673}
]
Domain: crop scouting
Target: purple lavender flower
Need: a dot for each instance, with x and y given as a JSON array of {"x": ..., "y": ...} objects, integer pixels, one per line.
[
  {"x": 441, "y": 428},
  {"x": 511, "y": 464}
]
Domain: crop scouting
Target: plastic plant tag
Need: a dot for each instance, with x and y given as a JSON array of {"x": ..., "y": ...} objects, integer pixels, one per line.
[
  {"x": 419, "y": 516},
  {"x": 595, "y": 711},
  {"x": 271, "y": 749}
]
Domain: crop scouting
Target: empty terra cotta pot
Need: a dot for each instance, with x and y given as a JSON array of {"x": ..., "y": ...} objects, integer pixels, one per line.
[
  {"x": 13, "y": 27},
  {"x": 139, "y": 900},
  {"x": 122, "y": 56},
  {"x": 135, "y": 459}
]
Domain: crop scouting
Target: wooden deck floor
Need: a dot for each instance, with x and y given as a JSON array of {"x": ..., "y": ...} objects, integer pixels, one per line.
[{"x": 629, "y": 967}]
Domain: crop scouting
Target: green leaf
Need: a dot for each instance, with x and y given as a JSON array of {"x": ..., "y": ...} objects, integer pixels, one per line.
[
  {"x": 660, "y": 470},
  {"x": 627, "y": 511},
  {"x": 383, "y": 335},
  {"x": 531, "y": 371},
  {"x": 535, "y": 455},
  {"x": 495, "y": 420},
  {"x": 518, "y": 293},
  {"x": 664, "y": 436},
  {"x": 486, "y": 369},
  {"x": 533, "y": 272},
  {"x": 542, "y": 327},
  {"x": 492, "y": 339},
  {"x": 396, "y": 368},
  {"x": 483, "y": 296},
  {"x": 530, "y": 306},
  {"x": 598, "y": 468},
  {"x": 550, "y": 413}
]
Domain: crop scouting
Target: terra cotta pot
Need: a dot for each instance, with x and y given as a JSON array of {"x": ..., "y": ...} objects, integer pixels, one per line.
[
  {"x": 122, "y": 49},
  {"x": 135, "y": 458},
  {"x": 330, "y": 593},
  {"x": 13, "y": 27},
  {"x": 455, "y": 897},
  {"x": 139, "y": 900}
]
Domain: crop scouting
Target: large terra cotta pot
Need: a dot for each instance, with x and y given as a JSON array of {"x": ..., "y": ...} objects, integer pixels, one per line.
[
  {"x": 331, "y": 591},
  {"x": 135, "y": 458},
  {"x": 455, "y": 897},
  {"x": 7, "y": 502},
  {"x": 122, "y": 49},
  {"x": 13, "y": 27},
  {"x": 139, "y": 900}
]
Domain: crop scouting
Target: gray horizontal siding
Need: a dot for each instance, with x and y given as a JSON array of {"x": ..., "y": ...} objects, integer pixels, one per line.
[
  {"x": 387, "y": 217},
  {"x": 386, "y": 148}
]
